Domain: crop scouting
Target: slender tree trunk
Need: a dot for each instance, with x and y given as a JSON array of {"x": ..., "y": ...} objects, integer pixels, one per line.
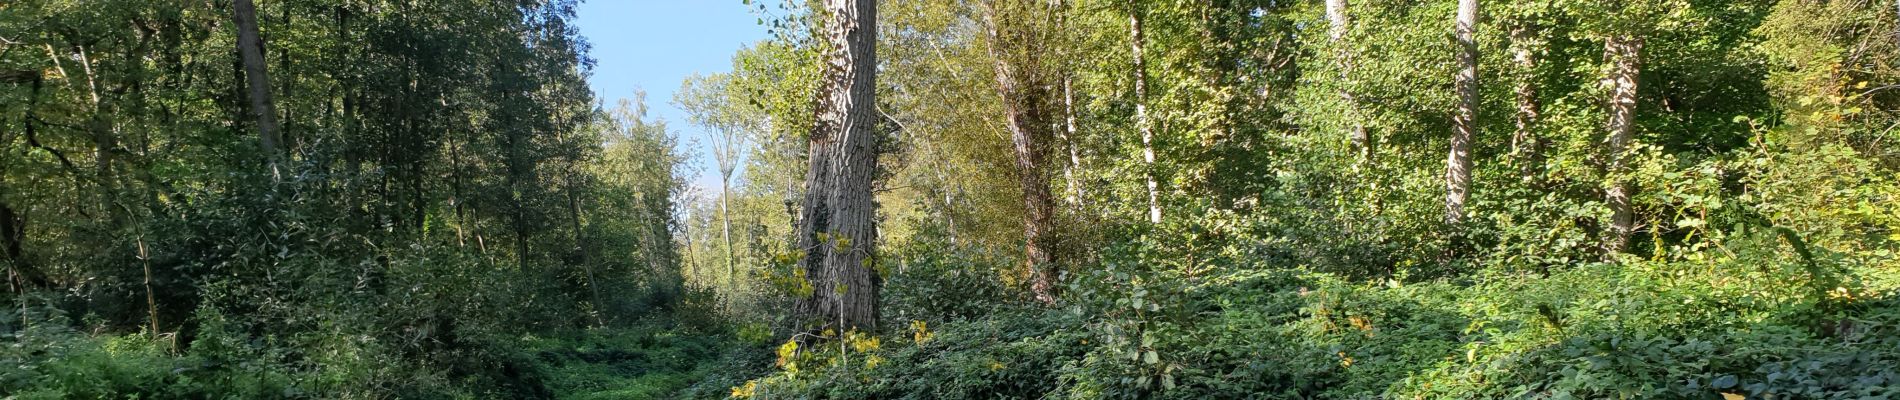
[
  {"x": 584, "y": 259},
  {"x": 1142, "y": 121},
  {"x": 1027, "y": 105},
  {"x": 692, "y": 255},
  {"x": 1458, "y": 162},
  {"x": 1340, "y": 22},
  {"x": 1071, "y": 142},
  {"x": 517, "y": 167},
  {"x": 251, "y": 50},
  {"x": 582, "y": 256},
  {"x": 1526, "y": 147},
  {"x": 839, "y": 232},
  {"x": 725, "y": 219},
  {"x": 105, "y": 144},
  {"x": 151, "y": 299},
  {"x": 455, "y": 191},
  {"x": 287, "y": 87},
  {"x": 1624, "y": 54}
]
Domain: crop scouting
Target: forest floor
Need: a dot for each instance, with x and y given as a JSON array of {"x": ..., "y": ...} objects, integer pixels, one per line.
[{"x": 655, "y": 360}]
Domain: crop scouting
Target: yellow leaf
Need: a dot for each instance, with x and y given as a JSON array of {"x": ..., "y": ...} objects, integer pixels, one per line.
[
  {"x": 785, "y": 353},
  {"x": 745, "y": 392},
  {"x": 1732, "y": 396},
  {"x": 920, "y": 331}
]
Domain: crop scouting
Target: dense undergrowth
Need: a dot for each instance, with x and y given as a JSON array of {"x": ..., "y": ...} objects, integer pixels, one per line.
[
  {"x": 1758, "y": 323},
  {"x": 1341, "y": 340},
  {"x": 654, "y": 359},
  {"x": 1761, "y": 321}
]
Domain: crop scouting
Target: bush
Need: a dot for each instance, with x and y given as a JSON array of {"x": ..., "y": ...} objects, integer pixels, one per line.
[
  {"x": 45, "y": 359},
  {"x": 1752, "y": 323}
]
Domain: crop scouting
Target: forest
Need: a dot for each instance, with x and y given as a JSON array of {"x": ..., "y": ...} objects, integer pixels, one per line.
[{"x": 956, "y": 199}]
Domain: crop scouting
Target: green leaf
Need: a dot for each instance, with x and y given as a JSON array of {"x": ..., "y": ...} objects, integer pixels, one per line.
[{"x": 1724, "y": 382}]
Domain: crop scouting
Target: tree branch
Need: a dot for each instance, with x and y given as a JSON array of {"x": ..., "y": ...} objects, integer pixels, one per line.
[{"x": 19, "y": 77}]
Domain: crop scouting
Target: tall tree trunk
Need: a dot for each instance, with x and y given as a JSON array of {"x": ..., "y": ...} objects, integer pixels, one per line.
[
  {"x": 1624, "y": 54},
  {"x": 1526, "y": 147},
  {"x": 1340, "y": 22},
  {"x": 105, "y": 144},
  {"x": 12, "y": 246},
  {"x": 13, "y": 222},
  {"x": 582, "y": 256},
  {"x": 1071, "y": 143},
  {"x": 151, "y": 298},
  {"x": 251, "y": 50},
  {"x": 1142, "y": 122},
  {"x": 692, "y": 253},
  {"x": 725, "y": 218},
  {"x": 1027, "y": 104},
  {"x": 839, "y": 231},
  {"x": 1458, "y": 162}
]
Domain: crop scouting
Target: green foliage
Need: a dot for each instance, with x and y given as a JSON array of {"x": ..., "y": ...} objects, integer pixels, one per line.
[
  {"x": 448, "y": 184},
  {"x": 1745, "y": 325},
  {"x": 938, "y": 282},
  {"x": 650, "y": 360},
  {"x": 456, "y": 217},
  {"x": 1009, "y": 354}
]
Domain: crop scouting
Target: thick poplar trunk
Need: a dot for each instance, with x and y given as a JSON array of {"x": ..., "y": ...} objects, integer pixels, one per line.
[
  {"x": 1142, "y": 121},
  {"x": 12, "y": 246},
  {"x": 1624, "y": 54},
  {"x": 251, "y": 50},
  {"x": 1340, "y": 21},
  {"x": 1027, "y": 108},
  {"x": 1458, "y": 162},
  {"x": 839, "y": 232}
]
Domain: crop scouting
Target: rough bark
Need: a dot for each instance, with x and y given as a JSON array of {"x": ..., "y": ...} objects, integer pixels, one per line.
[
  {"x": 1458, "y": 162},
  {"x": 1142, "y": 121},
  {"x": 1526, "y": 147},
  {"x": 1624, "y": 54},
  {"x": 22, "y": 273},
  {"x": 251, "y": 50},
  {"x": 1340, "y": 22},
  {"x": 1027, "y": 105},
  {"x": 839, "y": 231}
]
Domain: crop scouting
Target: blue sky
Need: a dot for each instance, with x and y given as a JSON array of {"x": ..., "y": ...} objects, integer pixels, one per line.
[{"x": 654, "y": 44}]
